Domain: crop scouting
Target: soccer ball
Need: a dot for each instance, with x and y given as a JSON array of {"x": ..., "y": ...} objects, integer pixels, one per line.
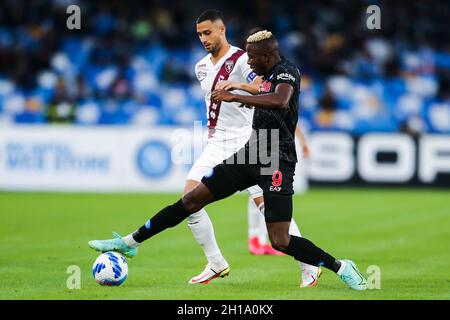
[{"x": 110, "y": 269}]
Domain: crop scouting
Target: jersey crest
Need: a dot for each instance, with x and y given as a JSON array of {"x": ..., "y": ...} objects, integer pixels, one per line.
[
  {"x": 223, "y": 74},
  {"x": 229, "y": 65}
]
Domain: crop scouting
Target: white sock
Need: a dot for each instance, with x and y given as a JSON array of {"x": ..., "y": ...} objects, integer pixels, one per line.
[
  {"x": 293, "y": 228},
  {"x": 256, "y": 222},
  {"x": 295, "y": 231},
  {"x": 129, "y": 241},
  {"x": 341, "y": 269},
  {"x": 203, "y": 231}
]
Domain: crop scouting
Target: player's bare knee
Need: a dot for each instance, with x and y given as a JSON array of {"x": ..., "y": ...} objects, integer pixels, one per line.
[
  {"x": 279, "y": 242},
  {"x": 280, "y": 245},
  {"x": 191, "y": 202},
  {"x": 189, "y": 186}
]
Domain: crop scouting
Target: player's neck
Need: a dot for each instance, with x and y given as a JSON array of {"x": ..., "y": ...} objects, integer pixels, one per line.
[
  {"x": 215, "y": 57},
  {"x": 273, "y": 62}
]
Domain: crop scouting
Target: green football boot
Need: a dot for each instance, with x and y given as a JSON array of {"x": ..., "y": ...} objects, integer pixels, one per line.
[
  {"x": 116, "y": 244},
  {"x": 353, "y": 277}
]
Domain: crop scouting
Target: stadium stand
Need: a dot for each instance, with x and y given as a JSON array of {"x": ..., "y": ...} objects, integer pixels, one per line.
[{"x": 132, "y": 62}]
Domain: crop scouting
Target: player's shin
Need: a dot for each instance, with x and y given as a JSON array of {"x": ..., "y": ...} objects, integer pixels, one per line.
[
  {"x": 168, "y": 217},
  {"x": 305, "y": 251}
]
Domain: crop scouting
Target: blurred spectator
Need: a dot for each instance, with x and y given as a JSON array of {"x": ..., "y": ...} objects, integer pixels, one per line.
[
  {"x": 325, "y": 116},
  {"x": 132, "y": 62},
  {"x": 61, "y": 109}
]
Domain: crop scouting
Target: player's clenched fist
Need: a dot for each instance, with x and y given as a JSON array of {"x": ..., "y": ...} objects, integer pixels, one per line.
[{"x": 222, "y": 95}]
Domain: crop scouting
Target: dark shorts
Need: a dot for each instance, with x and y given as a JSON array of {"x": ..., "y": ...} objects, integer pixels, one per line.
[{"x": 277, "y": 185}]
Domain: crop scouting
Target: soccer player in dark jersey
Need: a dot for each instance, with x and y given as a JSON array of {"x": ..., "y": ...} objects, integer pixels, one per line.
[{"x": 274, "y": 122}]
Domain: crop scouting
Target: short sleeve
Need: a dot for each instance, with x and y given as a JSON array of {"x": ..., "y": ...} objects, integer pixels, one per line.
[
  {"x": 196, "y": 70},
  {"x": 287, "y": 75},
  {"x": 199, "y": 73},
  {"x": 247, "y": 73}
]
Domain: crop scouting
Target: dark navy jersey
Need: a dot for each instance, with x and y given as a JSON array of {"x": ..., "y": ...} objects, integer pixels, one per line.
[{"x": 283, "y": 120}]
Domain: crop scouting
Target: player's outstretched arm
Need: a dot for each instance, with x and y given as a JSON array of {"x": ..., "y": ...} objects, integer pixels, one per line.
[
  {"x": 279, "y": 99},
  {"x": 248, "y": 87}
]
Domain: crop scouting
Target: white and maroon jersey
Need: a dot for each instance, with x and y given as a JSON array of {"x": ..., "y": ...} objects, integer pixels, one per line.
[{"x": 226, "y": 120}]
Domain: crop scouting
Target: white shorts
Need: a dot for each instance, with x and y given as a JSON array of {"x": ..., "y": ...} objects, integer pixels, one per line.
[{"x": 212, "y": 155}]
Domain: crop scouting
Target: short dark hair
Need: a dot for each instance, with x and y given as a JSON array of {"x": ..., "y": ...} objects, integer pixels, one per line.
[{"x": 210, "y": 14}]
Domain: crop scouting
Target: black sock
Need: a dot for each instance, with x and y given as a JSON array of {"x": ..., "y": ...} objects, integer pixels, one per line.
[
  {"x": 305, "y": 251},
  {"x": 166, "y": 218}
]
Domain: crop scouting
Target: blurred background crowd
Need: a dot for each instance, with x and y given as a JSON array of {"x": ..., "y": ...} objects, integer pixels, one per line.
[{"x": 132, "y": 62}]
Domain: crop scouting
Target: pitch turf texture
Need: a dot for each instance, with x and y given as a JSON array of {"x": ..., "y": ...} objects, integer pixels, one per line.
[{"x": 404, "y": 232}]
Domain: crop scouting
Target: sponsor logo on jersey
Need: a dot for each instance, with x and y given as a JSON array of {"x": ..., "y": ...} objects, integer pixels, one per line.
[
  {"x": 229, "y": 65},
  {"x": 276, "y": 189},
  {"x": 251, "y": 76},
  {"x": 286, "y": 76},
  {"x": 265, "y": 86},
  {"x": 201, "y": 75}
]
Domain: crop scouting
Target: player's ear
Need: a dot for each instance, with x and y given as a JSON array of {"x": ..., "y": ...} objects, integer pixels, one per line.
[{"x": 221, "y": 26}]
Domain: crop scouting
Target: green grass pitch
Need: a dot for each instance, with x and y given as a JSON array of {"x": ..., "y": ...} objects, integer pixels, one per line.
[{"x": 406, "y": 233}]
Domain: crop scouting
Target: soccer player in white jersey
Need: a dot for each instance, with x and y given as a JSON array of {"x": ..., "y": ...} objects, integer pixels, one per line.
[{"x": 229, "y": 128}]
